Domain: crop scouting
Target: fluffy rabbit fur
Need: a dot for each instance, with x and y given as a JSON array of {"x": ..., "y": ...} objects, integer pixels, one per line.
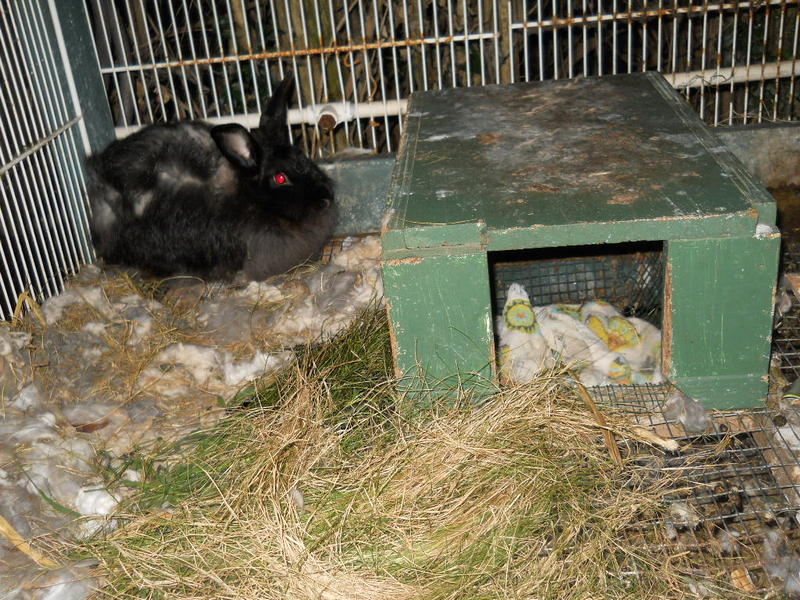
[{"x": 188, "y": 198}]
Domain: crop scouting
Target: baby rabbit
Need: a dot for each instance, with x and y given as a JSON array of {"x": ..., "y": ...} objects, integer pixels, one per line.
[{"x": 189, "y": 198}]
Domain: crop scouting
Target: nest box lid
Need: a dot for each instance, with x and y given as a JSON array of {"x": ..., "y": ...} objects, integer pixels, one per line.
[{"x": 588, "y": 160}]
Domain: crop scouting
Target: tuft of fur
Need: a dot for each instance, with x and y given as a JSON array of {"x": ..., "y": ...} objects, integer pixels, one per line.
[{"x": 189, "y": 198}]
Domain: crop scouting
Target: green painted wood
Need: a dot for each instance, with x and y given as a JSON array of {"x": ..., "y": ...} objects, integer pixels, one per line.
[
  {"x": 86, "y": 72},
  {"x": 719, "y": 311},
  {"x": 536, "y": 163},
  {"x": 440, "y": 315},
  {"x": 568, "y": 163}
]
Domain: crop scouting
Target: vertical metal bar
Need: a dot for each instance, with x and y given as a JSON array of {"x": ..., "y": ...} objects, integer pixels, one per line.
[
  {"x": 67, "y": 144},
  {"x": 614, "y": 37},
  {"x": 310, "y": 77},
  {"x": 585, "y": 31},
  {"x": 145, "y": 88},
  {"x": 193, "y": 52},
  {"x": 630, "y": 36},
  {"x": 237, "y": 63},
  {"x": 249, "y": 41},
  {"x": 674, "y": 67},
  {"x": 511, "y": 43},
  {"x": 382, "y": 75},
  {"x": 339, "y": 69},
  {"x": 719, "y": 65},
  {"x": 556, "y": 53},
  {"x": 644, "y": 39},
  {"x": 263, "y": 48},
  {"x": 703, "y": 61},
  {"x": 156, "y": 79},
  {"x": 409, "y": 58},
  {"x": 764, "y": 46},
  {"x": 42, "y": 161},
  {"x": 451, "y": 32},
  {"x": 435, "y": 10},
  {"x": 127, "y": 67},
  {"x": 366, "y": 66},
  {"x": 66, "y": 149},
  {"x": 733, "y": 63},
  {"x": 424, "y": 49},
  {"x": 688, "y": 47},
  {"x": 496, "y": 27},
  {"x": 779, "y": 60},
  {"x": 163, "y": 40},
  {"x": 396, "y": 65},
  {"x": 481, "y": 47},
  {"x": 793, "y": 78},
  {"x": 35, "y": 127},
  {"x": 540, "y": 35},
  {"x": 570, "y": 44},
  {"x": 212, "y": 80},
  {"x": 353, "y": 80},
  {"x": 466, "y": 41},
  {"x": 101, "y": 18},
  {"x": 660, "y": 32},
  {"x": 224, "y": 67},
  {"x": 295, "y": 70},
  {"x": 600, "y": 40},
  {"x": 748, "y": 54}
]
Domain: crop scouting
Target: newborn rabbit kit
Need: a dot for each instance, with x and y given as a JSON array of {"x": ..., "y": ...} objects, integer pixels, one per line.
[{"x": 187, "y": 198}]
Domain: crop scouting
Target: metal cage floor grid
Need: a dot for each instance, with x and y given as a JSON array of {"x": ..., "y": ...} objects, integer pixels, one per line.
[{"x": 740, "y": 482}]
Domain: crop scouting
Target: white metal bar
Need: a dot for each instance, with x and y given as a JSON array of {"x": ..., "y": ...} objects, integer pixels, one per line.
[
  {"x": 641, "y": 15},
  {"x": 570, "y": 41},
  {"x": 163, "y": 39},
  {"x": 342, "y": 85},
  {"x": 76, "y": 211},
  {"x": 146, "y": 88},
  {"x": 221, "y": 50},
  {"x": 353, "y": 80},
  {"x": 719, "y": 65},
  {"x": 156, "y": 79},
  {"x": 748, "y": 54},
  {"x": 779, "y": 55},
  {"x": 60, "y": 180},
  {"x": 78, "y": 225},
  {"x": 731, "y": 106},
  {"x": 395, "y": 63},
  {"x": 124, "y": 58},
  {"x": 793, "y": 75},
  {"x": 764, "y": 44},
  {"x": 382, "y": 77},
  {"x": 104, "y": 28},
  {"x": 193, "y": 52}
]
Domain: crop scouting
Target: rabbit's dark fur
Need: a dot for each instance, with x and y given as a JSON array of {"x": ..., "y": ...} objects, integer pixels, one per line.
[{"x": 188, "y": 198}]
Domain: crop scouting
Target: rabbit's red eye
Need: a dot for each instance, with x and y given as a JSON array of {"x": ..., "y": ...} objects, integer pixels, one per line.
[{"x": 280, "y": 179}]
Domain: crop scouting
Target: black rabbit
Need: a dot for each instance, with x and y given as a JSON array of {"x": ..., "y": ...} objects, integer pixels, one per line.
[{"x": 189, "y": 198}]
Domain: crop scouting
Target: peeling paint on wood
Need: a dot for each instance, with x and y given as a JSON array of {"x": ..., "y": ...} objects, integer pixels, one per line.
[{"x": 573, "y": 163}]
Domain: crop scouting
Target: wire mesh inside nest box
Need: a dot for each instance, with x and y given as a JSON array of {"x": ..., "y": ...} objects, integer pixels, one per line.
[{"x": 628, "y": 276}]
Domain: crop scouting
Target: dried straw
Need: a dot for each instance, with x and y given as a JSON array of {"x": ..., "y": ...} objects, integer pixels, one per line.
[{"x": 331, "y": 486}]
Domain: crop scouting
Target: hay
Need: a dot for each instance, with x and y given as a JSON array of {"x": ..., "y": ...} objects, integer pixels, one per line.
[{"x": 329, "y": 486}]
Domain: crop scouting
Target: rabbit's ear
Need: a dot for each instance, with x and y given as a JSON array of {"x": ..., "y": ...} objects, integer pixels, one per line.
[
  {"x": 273, "y": 119},
  {"x": 237, "y": 145}
]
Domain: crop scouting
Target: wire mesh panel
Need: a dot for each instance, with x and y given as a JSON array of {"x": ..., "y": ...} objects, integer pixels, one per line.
[
  {"x": 43, "y": 233},
  {"x": 734, "y": 492},
  {"x": 628, "y": 276},
  {"x": 176, "y": 59},
  {"x": 736, "y": 62}
]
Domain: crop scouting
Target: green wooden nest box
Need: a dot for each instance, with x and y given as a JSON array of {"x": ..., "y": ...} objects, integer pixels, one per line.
[{"x": 491, "y": 173}]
